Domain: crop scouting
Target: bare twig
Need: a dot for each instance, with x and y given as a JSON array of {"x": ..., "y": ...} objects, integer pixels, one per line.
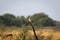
[{"x": 30, "y": 21}]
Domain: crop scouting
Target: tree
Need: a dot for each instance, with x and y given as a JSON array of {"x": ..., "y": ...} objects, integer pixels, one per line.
[
  {"x": 7, "y": 19},
  {"x": 8, "y": 15},
  {"x": 42, "y": 19},
  {"x": 38, "y": 16},
  {"x": 46, "y": 22},
  {"x": 38, "y": 19},
  {"x": 1, "y": 21},
  {"x": 23, "y": 20}
]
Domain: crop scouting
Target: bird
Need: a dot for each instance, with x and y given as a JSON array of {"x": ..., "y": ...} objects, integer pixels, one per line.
[{"x": 30, "y": 20}]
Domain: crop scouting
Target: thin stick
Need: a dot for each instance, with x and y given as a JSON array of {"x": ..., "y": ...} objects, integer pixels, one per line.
[{"x": 30, "y": 21}]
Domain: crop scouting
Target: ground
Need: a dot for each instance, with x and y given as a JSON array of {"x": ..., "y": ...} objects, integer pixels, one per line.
[{"x": 46, "y": 32}]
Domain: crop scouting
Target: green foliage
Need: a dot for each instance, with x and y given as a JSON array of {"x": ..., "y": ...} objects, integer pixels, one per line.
[
  {"x": 46, "y": 22},
  {"x": 57, "y": 27},
  {"x": 10, "y": 16},
  {"x": 9, "y": 20},
  {"x": 38, "y": 16},
  {"x": 41, "y": 19},
  {"x": 38, "y": 19},
  {"x": 23, "y": 20},
  {"x": 6, "y": 19}
]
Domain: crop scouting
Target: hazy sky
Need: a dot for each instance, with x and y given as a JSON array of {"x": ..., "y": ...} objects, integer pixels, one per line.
[{"x": 29, "y": 7}]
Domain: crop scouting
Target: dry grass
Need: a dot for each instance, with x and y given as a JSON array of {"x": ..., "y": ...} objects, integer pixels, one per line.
[{"x": 39, "y": 32}]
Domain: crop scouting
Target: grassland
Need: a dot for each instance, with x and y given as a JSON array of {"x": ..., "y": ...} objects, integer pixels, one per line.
[{"x": 42, "y": 33}]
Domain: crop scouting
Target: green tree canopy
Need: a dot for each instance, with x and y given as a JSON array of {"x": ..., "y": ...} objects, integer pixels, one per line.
[
  {"x": 38, "y": 19},
  {"x": 10, "y": 16},
  {"x": 42, "y": 19}
]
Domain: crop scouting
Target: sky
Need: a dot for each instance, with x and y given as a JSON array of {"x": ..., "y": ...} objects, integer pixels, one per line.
[{"x": 30, "y": 7}]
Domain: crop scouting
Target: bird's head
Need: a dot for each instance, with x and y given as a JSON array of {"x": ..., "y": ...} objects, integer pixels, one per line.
[{"x": 29, "y": 19}]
